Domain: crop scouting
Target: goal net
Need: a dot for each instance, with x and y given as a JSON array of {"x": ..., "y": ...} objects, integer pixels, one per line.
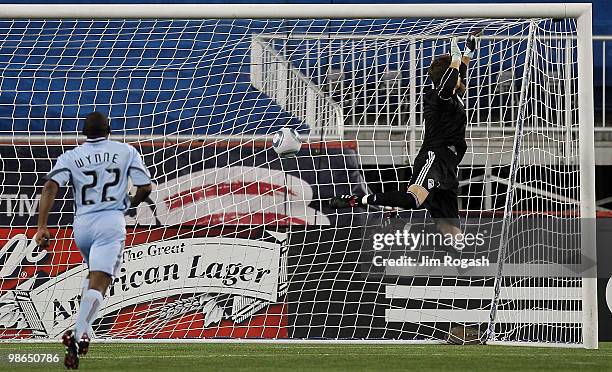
[{"x": 236, "y": 242}]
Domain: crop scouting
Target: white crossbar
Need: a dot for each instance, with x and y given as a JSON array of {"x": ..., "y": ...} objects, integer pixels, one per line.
[{"x": 269, "y": 11}]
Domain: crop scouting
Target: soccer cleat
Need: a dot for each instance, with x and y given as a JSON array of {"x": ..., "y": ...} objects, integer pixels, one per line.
[
  {"x": 344, "y": 201},
  {"x": 71, "y": 359},
  {"x": 84, "y": 344}
]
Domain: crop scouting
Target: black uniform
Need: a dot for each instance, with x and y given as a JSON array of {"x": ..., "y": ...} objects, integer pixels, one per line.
[{"x": 435, "y": 167}]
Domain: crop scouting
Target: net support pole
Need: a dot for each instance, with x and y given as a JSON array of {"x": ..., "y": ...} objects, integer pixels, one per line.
[
  {"x": 516, "y": 157},
  {"x": 586, "y": 142}
]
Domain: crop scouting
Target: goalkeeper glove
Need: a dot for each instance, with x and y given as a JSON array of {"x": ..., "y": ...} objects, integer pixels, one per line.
[
  {"x": 454, "y": 50},
  {"x": 470, "y": 45}
]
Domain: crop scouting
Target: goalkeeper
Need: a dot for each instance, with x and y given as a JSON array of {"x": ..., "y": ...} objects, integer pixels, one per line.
[{"x": 434, "y": 178}]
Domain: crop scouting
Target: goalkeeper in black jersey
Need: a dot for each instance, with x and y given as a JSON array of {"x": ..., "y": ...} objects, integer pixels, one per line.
[{"x": 434, "y": 178}]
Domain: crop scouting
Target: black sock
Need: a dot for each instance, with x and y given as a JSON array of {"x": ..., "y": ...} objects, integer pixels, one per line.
[{"x": 401, "y": 199}]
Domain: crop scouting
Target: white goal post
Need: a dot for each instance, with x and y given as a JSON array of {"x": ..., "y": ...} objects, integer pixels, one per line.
[{"x": 245, "y": 302}]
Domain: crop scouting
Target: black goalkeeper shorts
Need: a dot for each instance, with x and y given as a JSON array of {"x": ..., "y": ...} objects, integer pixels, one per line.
[{"x": 436, "y": 171}]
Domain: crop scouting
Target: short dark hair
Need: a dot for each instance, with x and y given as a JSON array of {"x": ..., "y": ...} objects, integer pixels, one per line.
[
  {"x": 96, "y": 125},
  {"x": 438, "y": 67}
]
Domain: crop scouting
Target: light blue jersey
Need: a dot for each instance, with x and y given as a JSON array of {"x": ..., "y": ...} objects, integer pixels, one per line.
[{"x": 98, "y": 171}]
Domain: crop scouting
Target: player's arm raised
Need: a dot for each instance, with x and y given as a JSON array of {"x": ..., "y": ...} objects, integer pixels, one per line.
[
  {"x": 448, "y": 83},
  {"x": 47, "y": 198}
]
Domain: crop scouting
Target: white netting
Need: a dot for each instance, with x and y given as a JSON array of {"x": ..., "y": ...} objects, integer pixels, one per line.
[{"x": 238, "y": 243}]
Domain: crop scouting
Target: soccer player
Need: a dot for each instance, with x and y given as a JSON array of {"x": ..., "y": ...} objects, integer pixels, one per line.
[
  {"x": 98, "y": 171},
  {"x": 434, "y": 178}
]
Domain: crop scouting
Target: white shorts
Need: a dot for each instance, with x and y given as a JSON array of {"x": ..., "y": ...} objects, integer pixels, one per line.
[{"x": 100, "y": 237}]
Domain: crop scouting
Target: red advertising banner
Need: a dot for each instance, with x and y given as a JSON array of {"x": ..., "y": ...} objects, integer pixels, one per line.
[{"x": 172, "y": 284}]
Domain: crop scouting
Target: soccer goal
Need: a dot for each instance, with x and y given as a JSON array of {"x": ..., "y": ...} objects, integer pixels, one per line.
[{"x": 238, "y": 243}]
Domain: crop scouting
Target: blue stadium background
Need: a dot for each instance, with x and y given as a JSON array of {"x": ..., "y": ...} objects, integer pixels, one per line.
[{"x": 207, "y": 99}]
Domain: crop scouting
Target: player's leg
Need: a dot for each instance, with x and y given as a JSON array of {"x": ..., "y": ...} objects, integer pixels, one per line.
[
  {"x": 443, "y": 207},
  {"x": 414, "y": 197},
  {"x": 83, "y": 347},
  {"x": 104, "y": 261},
  {"x": 101, "y": 245},
  {"x": 83, "y": 237},
  {"x": 91, "y": 301},
  {"x": 84, "y": 288},
  {"x": 410, "y": 199},
  {"x": 446, "y": 227}
]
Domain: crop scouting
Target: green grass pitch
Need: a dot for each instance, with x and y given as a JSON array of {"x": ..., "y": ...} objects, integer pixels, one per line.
[{"x": 317, "y": 357}]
